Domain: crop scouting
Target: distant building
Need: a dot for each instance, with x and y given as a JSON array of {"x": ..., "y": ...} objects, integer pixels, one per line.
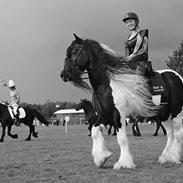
[{"x": 70, "y": 115}]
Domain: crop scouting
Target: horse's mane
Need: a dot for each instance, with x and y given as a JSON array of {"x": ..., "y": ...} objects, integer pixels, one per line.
[
  {"x": 112, "y": 62},
  {"x": 136, "y": 86}
]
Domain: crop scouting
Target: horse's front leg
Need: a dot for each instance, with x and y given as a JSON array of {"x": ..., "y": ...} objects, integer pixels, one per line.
[
  {"x": 30, "y": 132},
  {"x": 3, "y": 132},
  {"x": 100, "y": 152},
  {"x": 125, "y": 159},
  {"x": 15, "y": 136}
]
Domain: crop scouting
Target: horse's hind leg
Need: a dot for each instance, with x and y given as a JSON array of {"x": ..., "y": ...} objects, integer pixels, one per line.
[
  {"x": 157, "y": 128},
  {"x": 109, "y": 130},
  {"x": 174, "y": 153},
  {"x": 15, "y": 136},
  {"x": 30, "y": 132},
  {"x": 100, "y": 152},
  {"x": 34, "y": 133},
  {"x": 137, "y": 129},
  {"x": 3, "y": 133},
  {"x": 161, "y": 125},
  {"x": 114, "y": 132},
  {"x": 170, "y": 139}
]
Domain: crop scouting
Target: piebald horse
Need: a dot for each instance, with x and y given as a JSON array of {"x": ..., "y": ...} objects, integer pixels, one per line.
[{"x": 118, "y": 92}]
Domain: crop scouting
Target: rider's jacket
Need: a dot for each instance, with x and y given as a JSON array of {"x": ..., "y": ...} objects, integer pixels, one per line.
[
  {"x": 14, "y": 97},
  {"x": 142, "y": 53}
]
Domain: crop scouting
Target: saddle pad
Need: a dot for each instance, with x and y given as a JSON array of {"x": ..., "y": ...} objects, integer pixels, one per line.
[
  {"x": 157, "y": 84},
  {"x": 22, "y": 113}
]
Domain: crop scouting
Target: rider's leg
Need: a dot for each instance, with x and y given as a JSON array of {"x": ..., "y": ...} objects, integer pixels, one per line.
[{"x": 15, "y": 110}]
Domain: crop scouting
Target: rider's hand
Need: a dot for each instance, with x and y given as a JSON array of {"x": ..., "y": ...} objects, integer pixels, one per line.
[{"x": 128, "y": 59}]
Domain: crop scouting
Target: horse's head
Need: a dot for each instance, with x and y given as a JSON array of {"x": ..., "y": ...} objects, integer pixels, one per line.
[
  {"x": 75, "y": 63},
  {"x": 81, "y": 104}
]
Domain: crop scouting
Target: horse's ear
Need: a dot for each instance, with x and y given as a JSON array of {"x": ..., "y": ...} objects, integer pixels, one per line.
[{"x": 78, "y": 38}]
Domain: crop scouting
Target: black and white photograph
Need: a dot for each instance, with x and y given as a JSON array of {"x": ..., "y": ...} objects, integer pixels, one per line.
[{"x": 91, "y": 91}]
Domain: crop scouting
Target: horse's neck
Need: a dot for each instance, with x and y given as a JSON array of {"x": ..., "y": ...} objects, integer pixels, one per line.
[
  {"x": 89, "y": 112},
  {"x": 97, "y": 79}
]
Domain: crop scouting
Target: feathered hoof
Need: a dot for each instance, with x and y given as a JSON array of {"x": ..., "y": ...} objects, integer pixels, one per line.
[
  {"x": 100, "y": 161},
  {"x": 164, "y": 159},
  {"x": 119, "y": 165}
]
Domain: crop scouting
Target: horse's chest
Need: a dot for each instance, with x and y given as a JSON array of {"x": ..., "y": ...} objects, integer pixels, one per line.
[{"x": 117, "y": 93}]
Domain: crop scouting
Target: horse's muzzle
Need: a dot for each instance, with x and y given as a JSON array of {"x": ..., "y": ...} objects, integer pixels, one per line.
[{"x": 65, "y": 77}]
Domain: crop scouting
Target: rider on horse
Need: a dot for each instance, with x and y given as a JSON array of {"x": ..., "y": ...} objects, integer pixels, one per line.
[
  {"x": 136, "y": 46},
  {"x": 136, "y": 51},
  {"x": 14, "y": 99}
]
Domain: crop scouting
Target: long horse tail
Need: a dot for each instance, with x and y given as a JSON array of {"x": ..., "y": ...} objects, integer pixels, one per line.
[{"x": 40, "y": 117}]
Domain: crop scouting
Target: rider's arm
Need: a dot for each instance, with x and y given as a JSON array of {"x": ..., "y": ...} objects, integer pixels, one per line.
[
  {"x": 18, "y": 98},
  {"x": 143, "y": 48},
  {"x": 126, "y": 49}
]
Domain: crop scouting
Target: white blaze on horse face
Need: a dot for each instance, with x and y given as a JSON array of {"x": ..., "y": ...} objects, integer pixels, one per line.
[{"x": 100, "y": 152}]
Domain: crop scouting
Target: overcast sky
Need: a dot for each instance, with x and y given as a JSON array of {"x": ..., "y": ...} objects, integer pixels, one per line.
[{"x": 34, "y": 36}]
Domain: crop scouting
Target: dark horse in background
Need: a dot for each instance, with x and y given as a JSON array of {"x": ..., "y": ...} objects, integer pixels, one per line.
[
  {"x": 91, "y": 116},
  {"x": 118, "y": 92},
  {"x": 135, "y": 125},
  {"x": 7, "y": 121}
]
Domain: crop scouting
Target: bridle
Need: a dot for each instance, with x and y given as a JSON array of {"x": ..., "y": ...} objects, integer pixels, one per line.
[{"x": 76, "y": 57}]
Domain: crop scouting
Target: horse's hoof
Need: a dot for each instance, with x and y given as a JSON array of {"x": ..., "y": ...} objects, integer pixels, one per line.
[
  {"x": 100, "y": 162},
  {"x": 1, "y": 140},
  {"x": 155, "y": 134},
  {"x": 27, "y": 140},
  {"x": 119, "y": 165},
  {"x": 162, "y": 159},
  {"x": 15, "y": 136},
  {"x": 35, "y": 135}
]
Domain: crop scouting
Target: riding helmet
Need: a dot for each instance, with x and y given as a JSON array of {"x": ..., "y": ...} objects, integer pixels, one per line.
[
  {"x": 11, "y": 83},
  {"x": 131, "y": 15}
]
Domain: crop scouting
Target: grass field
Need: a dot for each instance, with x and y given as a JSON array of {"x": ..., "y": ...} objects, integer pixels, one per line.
[{"x": 66, "y": 158}]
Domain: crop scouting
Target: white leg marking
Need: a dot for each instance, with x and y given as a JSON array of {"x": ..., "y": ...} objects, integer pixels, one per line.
[
  {"x": 174, "y": 153},
  {"x": 170, "y": 138},
  {"x": 125, "y": 159},
  {"x": 100, "y": 152}
]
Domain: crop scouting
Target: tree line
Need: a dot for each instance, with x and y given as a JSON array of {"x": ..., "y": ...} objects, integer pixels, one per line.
[{"x": 48, "y": 108}]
